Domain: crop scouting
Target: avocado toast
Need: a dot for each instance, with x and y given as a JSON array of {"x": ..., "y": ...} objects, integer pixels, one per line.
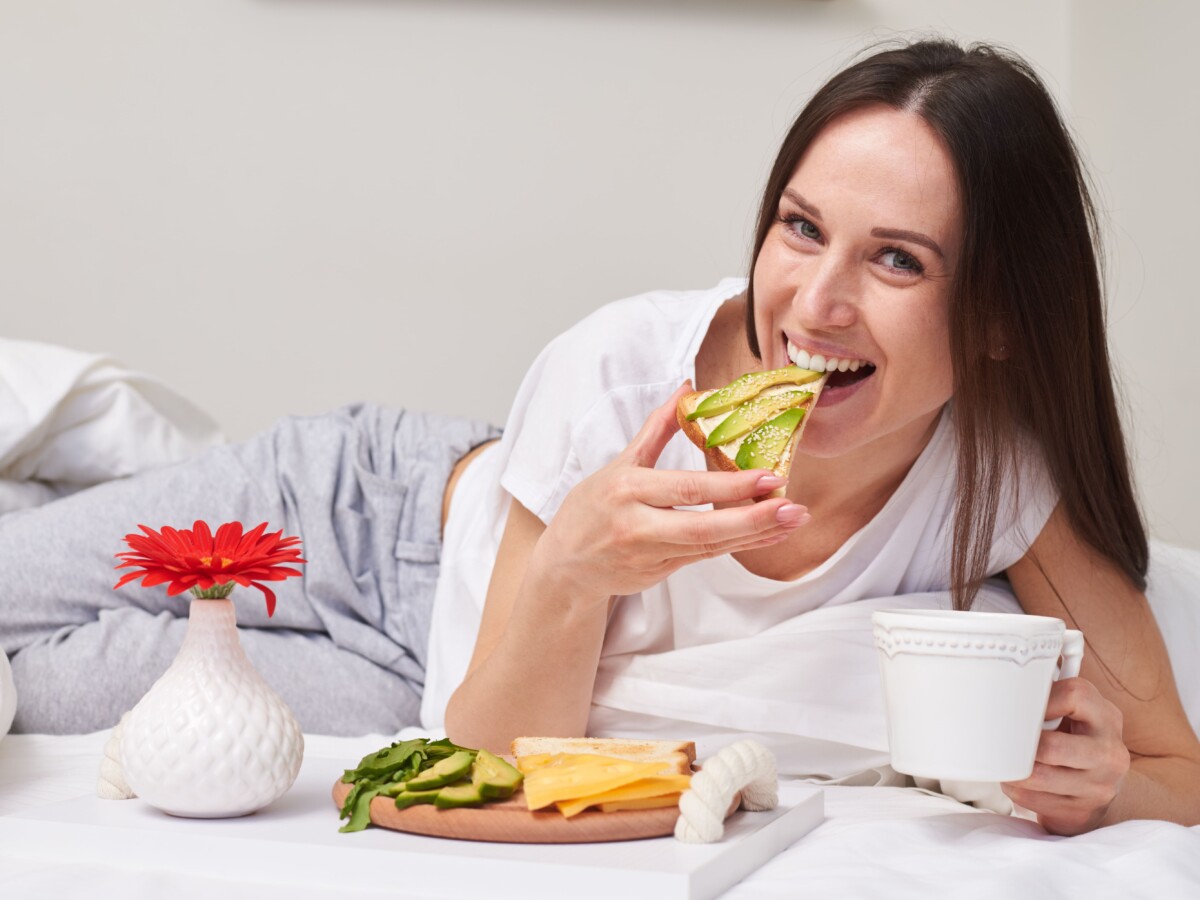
[{"x": 755, "y": 421}]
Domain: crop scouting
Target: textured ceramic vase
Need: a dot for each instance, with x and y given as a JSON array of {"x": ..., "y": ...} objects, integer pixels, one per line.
[{"x": 211, "y": 739}]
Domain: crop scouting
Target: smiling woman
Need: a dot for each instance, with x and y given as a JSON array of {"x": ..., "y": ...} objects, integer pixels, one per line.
[
  {"x": 926, "y": 232},
  {"x": 972, "y": 143},
  {"x": 851, "y": 268}
]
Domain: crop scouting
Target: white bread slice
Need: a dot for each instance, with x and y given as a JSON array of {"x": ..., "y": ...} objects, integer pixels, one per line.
[
  {"x": 723, "y": 457},
  {"x": 677, "y": 756}
]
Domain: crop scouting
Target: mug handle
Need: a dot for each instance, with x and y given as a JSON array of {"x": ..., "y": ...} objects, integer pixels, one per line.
[{"x": 1072, "y": 659}]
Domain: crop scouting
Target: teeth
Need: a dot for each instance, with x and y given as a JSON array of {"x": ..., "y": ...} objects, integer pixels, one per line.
[{"x": 819, "y": 363}]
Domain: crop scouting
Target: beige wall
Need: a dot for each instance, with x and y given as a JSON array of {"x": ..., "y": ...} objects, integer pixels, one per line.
[
  {"x": 284, "y": 205},
  {"x": 1136, "y": 96}
]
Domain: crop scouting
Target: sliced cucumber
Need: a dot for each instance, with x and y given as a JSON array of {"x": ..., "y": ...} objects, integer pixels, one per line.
[
  {"x": 465, "y": 794},
  {"x": 443, "y": 772},
  {"x": 495, "y": 778}
]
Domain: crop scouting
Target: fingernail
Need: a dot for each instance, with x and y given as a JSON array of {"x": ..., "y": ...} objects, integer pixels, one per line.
[
  {"x": 791, "y": 514},
  {"x": 770, "y": 482}
]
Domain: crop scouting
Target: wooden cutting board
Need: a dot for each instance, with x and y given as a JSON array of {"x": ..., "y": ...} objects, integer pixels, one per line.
[{"x": 510, "y": 821}]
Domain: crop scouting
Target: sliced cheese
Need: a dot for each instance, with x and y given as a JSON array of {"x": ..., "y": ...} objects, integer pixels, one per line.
[
  {"x": 643, "y": 803},
  {"x": 642, "y": 789},
  {"x": 550, "y": 784}
]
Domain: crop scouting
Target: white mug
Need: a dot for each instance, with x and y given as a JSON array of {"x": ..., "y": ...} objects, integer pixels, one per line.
[{"x": 966, "y": 692}]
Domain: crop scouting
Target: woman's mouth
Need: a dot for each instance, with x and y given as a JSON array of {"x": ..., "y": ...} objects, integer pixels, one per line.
[{"x": 844, "y": 372}]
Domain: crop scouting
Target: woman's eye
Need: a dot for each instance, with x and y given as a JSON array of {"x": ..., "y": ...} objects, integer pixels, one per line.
[
  {"x": 898, "y": 259},
  {"x": 803, "y": 227}
]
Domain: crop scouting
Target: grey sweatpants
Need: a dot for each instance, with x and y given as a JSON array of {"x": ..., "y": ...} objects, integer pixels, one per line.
[{"x": 362, "y": 487}]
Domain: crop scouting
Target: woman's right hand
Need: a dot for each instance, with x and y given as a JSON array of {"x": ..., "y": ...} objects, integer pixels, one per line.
[{"x": 617, "y": 532}]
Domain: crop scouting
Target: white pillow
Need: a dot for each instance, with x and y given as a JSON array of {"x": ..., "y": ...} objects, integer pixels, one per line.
[{"x": 1173, "y": 589}]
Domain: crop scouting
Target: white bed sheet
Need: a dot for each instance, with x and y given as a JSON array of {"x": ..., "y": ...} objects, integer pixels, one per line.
[{"x": 876, "y": 843}]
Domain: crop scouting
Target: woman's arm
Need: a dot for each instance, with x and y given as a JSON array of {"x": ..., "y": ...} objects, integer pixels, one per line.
[
  {"x": 547, "y": 605},
  {"x": 1126, "y": 749},
  {"x": 516, "y": 673}
]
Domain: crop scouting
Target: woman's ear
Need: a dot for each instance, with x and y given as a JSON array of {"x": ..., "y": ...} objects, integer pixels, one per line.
[{"x": 998, "y": 344}]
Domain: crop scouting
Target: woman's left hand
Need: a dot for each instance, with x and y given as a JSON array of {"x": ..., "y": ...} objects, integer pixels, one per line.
[{"x": 1079, "y": 768}]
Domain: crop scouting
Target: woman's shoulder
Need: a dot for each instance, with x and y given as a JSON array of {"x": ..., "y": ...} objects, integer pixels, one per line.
[
  {"x": 622, "y": 354},
  {"x": 591, "y": 388},
  {"x": 646, "y": 337}
]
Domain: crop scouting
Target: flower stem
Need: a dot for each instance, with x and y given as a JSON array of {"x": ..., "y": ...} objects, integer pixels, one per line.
[{"x": 216, "y": 592}]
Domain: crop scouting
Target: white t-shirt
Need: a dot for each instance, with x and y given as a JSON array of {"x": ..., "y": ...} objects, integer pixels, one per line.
[{"x": 583, "y": 400}]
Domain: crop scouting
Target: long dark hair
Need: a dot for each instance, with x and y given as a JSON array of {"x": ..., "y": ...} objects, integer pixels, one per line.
[{"x": 1027, "y": 332}]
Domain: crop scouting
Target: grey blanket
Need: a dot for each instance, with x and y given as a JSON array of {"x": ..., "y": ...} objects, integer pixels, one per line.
[{"x": 361, "y": 486}]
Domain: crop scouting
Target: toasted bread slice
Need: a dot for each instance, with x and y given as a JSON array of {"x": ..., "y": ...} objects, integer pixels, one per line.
[
  {"x": 724, "y": 456},
  {"x": 677, "y": 756}
]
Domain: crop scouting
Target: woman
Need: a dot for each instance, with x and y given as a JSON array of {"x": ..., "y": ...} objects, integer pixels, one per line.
[
  {"x": 925, "y": 228},
  {"x": 926, "y": 218}
]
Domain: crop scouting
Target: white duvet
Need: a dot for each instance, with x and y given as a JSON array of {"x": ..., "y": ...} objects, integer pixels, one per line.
[
  {"x": 70, "y": 419},
  {"x": 887, "y": 843}
]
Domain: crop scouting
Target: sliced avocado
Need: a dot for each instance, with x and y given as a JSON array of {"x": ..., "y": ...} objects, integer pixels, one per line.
[
  {"x": 495, "y": 779},
  {"x": 465, "y": 794},
  {"x": 753, "y": 413},
  {"x": 450, "y": 769},
  {"x": 405, "y": 799},
  {"x": 763, "y": 447},
  {"x": 749, "y": 385}
]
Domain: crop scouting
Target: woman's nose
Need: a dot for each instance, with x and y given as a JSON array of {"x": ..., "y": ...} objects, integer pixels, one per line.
[{"x": 825, "y": 294}]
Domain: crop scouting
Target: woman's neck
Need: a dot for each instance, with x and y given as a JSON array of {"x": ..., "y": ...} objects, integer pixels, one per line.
[{"x": 858, "y": 484}]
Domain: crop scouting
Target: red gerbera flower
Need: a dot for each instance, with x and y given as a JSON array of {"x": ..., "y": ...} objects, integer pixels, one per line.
[{"x": 210, "y": 566}]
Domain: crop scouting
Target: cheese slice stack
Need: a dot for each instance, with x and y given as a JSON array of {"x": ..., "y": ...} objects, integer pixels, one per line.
[{"x": 574, "y": 782}]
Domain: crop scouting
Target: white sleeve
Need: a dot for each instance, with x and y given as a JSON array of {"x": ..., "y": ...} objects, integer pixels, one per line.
[
  {"x": 540, "y": 462},
  {"x": 589, "y": 392},
  {"x": 1027, "y": 499}
]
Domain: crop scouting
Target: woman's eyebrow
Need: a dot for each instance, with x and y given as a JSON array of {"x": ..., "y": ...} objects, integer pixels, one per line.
[
  {"x": 802, "y": 203},
  {"x": 899, "y": 234},
  {"x": 895, "y": 234}
]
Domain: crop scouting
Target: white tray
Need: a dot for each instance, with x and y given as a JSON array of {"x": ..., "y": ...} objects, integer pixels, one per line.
[{"x": 296, "y": 840}]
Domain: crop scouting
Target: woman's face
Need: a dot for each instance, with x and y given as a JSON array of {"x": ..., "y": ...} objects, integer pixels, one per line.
[{"x": 857, "y": 269}]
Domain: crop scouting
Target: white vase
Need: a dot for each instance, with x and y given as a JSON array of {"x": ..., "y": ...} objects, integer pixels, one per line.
[{"x": 211, "y": 739}]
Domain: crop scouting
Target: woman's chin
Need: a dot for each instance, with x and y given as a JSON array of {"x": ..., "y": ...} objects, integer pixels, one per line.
[{"x": 823, "y": 443}]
